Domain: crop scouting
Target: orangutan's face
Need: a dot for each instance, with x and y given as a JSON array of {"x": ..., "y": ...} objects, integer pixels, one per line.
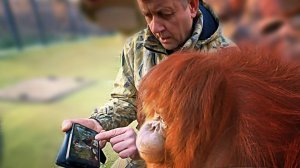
[{"x": 281, "y": 34}]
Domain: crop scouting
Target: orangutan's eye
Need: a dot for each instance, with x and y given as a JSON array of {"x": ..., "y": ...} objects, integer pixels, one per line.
[{"x": 272, "y": 27}]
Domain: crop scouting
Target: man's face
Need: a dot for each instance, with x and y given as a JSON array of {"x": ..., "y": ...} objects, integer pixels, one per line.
[{"x": 169, "y": 20}]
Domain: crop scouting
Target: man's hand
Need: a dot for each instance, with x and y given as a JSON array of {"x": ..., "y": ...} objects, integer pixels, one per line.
[
  {"x": 90, "y": 123},
  {"x": 122, "y": 140}
]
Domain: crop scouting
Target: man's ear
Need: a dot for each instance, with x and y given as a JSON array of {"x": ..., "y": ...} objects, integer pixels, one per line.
[{"x": 194, "y": 7}]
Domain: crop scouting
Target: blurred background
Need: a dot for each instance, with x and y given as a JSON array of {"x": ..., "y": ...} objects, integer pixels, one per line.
[
  {"x": 58, "y": 60},
  {"x": 27, "y": 22},
  {"x": 49, "y": 39}
]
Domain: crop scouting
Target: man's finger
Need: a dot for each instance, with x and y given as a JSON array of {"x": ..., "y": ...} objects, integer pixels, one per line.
[
  {"x": 102, "y": 143},
  {"x": 109, "y": 134},
  {"x": 66, "y": 125},
  {"x": 131, "y": 152},
  {"x": 120, "y": 146}
]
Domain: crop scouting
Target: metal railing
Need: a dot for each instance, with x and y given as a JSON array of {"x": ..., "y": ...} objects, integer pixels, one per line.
[{"x": 25, "y": 22}]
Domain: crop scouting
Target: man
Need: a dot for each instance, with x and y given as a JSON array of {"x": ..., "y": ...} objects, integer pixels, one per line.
[{"x": 173, "y": 26}]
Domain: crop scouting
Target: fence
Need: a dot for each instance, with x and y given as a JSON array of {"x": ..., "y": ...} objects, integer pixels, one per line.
[{"x": 25, "y": 22}]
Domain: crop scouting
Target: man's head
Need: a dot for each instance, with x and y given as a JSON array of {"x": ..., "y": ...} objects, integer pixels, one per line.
[{"x": 170, "y": 21}]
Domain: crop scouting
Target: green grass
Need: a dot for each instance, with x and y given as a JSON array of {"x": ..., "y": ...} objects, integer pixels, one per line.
[{"x": 31, "y": 131}]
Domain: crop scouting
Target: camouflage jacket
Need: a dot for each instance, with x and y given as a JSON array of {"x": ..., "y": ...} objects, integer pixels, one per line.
[{"x": 140, "y": 53}]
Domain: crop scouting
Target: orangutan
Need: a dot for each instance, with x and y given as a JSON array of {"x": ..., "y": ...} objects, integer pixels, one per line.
[{"x": 232, "y": 108}]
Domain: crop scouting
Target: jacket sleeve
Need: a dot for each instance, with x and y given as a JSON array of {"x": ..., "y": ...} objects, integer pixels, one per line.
[{"x": 120, "y": 110}]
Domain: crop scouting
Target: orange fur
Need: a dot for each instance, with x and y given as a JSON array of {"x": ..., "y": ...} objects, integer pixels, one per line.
[{"x": 230, "y": 108}]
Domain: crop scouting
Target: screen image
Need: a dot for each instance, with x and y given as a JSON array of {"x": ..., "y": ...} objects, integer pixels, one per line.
[{"x": 83, "y": 145}]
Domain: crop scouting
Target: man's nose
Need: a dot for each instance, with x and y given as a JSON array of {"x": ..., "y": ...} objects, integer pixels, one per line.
[{"x": 156, "y": 26}]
